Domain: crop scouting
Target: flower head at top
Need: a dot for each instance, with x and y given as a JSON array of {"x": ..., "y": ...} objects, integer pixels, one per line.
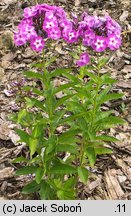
[{"x": 45, "y": 21}]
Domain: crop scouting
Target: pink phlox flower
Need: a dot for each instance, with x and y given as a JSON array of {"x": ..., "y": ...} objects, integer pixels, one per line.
[
  {"x": 99, "y": 21},
  {"x": 54, "y": 33},
  {"x": 79, "y": 33},
  {"x": 84, "y": 59},
  {"x": 112, "y": 26},
  {"x": 99, "y": 44},
  {"x": 30, "y": 11},
  {"x": 69, "y": 35},
  {"x": 20, "y": 38},
  {"x": 66, "y": 24},
  {"x": 89, "y": 37},
  {"x": 50, "y": 15},
  {"x": 29, "y": 31},
  {"x": 113, "y": 42},
  {"x": 88, "y": 21},
  {"x": 37, "y": 43},
  {"x": 27, "y": 21},
  {"x": 49, "y": 24},
  {"x": 60, "y": 13}
]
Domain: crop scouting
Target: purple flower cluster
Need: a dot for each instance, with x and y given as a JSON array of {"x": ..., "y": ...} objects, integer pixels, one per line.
[
  {"x": 44, "y": 21},
  {"x": 100, "y": 32}
]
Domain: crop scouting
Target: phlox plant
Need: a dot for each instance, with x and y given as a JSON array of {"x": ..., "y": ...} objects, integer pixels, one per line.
[{"x": 59, "y": 159}]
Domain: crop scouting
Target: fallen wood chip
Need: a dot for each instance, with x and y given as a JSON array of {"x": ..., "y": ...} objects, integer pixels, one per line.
[
  {"x": 113, "y": 187},
  {"x": 125, "y": 168},
  {"x": 89, "y": 189},
  {"x": 6, "y": 173}
]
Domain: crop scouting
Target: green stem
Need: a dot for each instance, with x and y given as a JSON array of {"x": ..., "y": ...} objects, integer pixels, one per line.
[{"x": 95, "y": 98}]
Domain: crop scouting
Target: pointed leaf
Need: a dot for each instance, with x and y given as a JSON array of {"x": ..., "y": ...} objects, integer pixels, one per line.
[
  {"x": 108, "y": 97},
  {"x": 19, "y": 159},
  {"x": 107, "y": 138},
  {"x": 26, "y": 170},
  {"x": 62, "y": 100},
  {"x": 66, "y": 195},
  {"x": 62, "y": 169},
  {"x": 91, "y": 155},
  {"x": 34, "y": 102},
  {"x": 102, "y": 62},
  {"x": 38, "y": 175},
  {"x": 83, "y": 174},
  {"x": 70, "y": 183},
  {"x": 31, "y": 188},
  {"x": 103, "y": 150},
  {"x": 72, "y": 148},
  {"x": 23, "y": 136},
  {"x": 46, "y": 192},
  {"x": 64, "y": 86},
  {"x": 31, "y": 74},
  {"x": 33, "y": 145},
  {"x": 60, "y": 71}
]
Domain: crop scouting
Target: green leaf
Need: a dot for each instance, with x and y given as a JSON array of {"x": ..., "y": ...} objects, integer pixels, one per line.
[
  {"x": 103, "y": 150},
  {"x": 33, "y": 145},
  {"x": 67, "y": 134},
  {"x": 102, "y": 115},
  {"x": 83, "y": 174},
  {"x": 57, "y": 117},
  {"x": 103, "y": 94},
  {"x": 60, "y": 71},
  {"x": 66, "y": 195},
  {"x": 26, "y": 170},
  {"x": 70, "y": 183},
  {"x": 72, "y": 148},
  {"x": 46, "y": 192},
  {"x": 34, "y": 90},
  {"x": 34, "y": 102},
  {"x": 37, "y": 131},
  {"x": 109, "y": 122},
  {"x": 91, "y": 155},
  {"x": 31, "y": 74},
  {"x": 38, "y": 65},
  {"x": 72, "y": 78},
  {"x": 23, "y": 136},
  {"x": 92, "y": 76},
  {"x": 38, "y": 175},
  {"x": 73, "y": 117},
  {"x": 21, "y": 115},
  {"x": 106, "y": 79},
  {"x": 102, "y": 62},
  {"x": 19, "y": 159},
  {"x": 50, "y": 144},
  {"x": 107, "y": 138},
  {"x": 108, "y": 97},
  {"x": 64, "y": 86},
  {"x": 31, "y": 188},
  {"x": 62, "y": 169},
  {"x": 37, "y": 91},
  {"x": 62, "y": 100}
]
